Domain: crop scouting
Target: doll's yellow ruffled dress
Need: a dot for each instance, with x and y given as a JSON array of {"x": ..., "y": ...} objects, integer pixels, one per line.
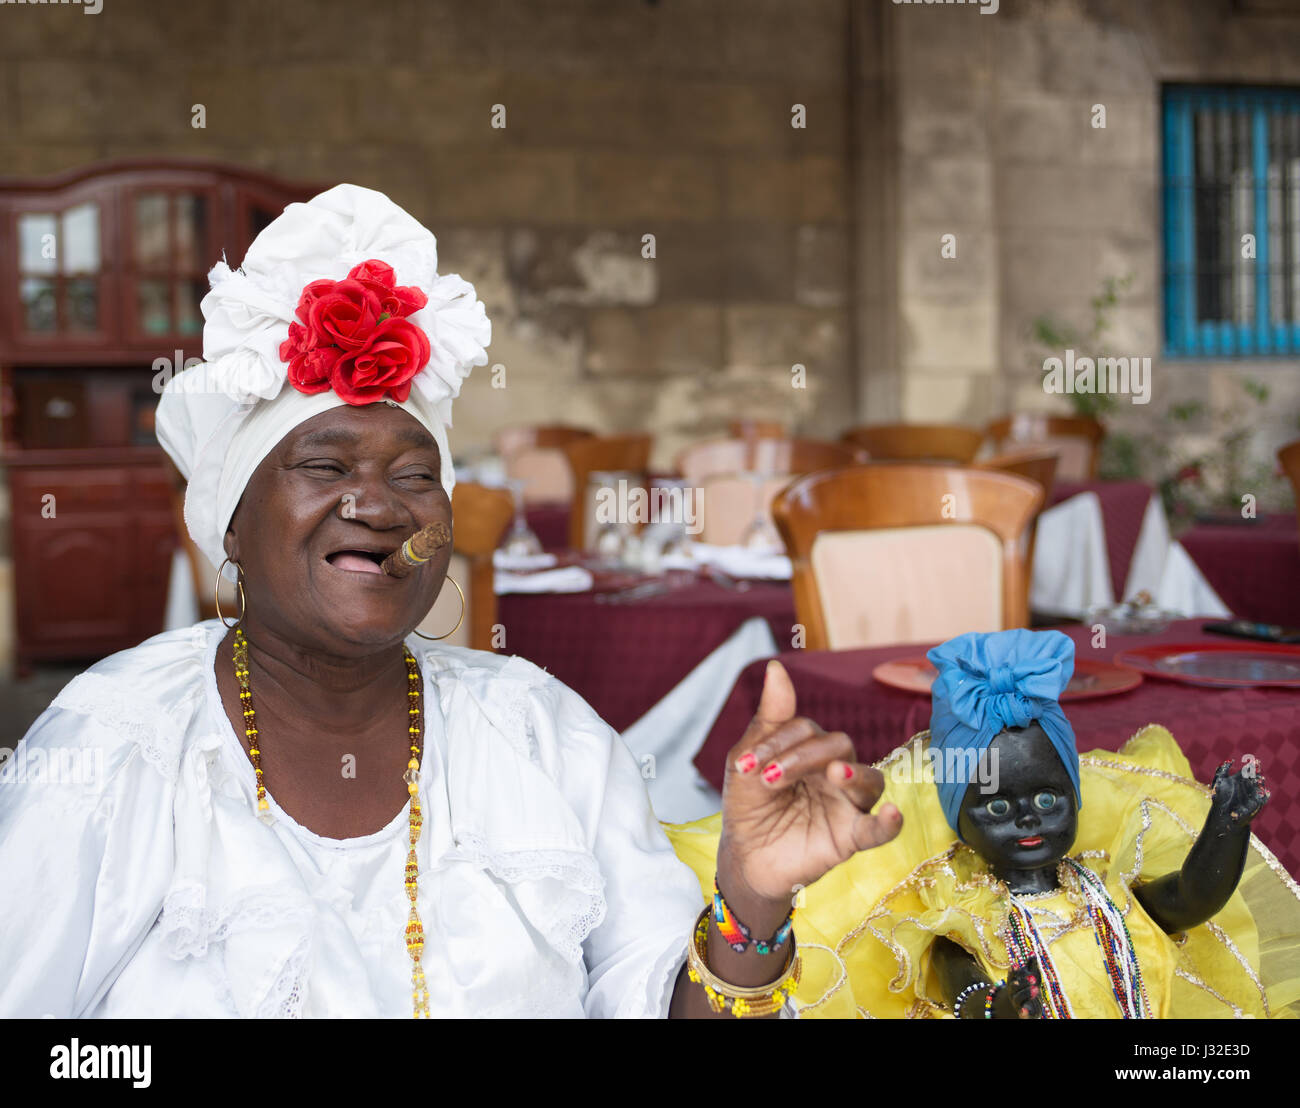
[{"x": 864, "y": 930}]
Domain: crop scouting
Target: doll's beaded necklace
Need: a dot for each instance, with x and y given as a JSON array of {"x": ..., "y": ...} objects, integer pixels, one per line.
[
  {"x": 414, "y": 928},
  {"x": 1111, "y": 932}
]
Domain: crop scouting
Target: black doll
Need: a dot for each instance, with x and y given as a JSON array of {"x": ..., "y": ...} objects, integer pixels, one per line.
[{"x": 1024, "y": 830}]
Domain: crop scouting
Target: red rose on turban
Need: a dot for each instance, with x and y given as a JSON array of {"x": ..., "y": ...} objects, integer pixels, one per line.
[
  {"x": 396, "y": 352},
  {"x": 396, "y": 300},
  {"x": 355, "y": 338}
]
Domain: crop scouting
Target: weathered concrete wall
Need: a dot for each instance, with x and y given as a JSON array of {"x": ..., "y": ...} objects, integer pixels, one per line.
[
  {"x": 622, "y": 118},
  {"x": 998, "y": 147}
]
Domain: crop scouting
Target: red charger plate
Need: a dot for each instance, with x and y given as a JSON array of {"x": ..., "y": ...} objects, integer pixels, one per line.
[
  {"x": 1091, "y": 679},
  {"x": 1220, "y": 665}
]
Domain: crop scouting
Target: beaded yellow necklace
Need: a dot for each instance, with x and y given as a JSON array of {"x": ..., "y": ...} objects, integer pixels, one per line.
[{"x": 414, "y": 928}]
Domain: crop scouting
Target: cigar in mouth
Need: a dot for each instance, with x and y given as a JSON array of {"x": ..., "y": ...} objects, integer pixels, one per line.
[{"x": 416, "y": 550}]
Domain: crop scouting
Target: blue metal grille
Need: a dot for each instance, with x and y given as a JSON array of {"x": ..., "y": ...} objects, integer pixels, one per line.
[{"x": 1231, "y": 221}]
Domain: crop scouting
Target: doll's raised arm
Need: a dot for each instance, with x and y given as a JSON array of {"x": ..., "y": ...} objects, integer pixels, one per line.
[{"x": 1190, "y": 896}]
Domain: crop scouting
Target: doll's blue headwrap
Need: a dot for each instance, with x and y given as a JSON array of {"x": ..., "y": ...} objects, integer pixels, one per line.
[{"x": 988, "y": 682}]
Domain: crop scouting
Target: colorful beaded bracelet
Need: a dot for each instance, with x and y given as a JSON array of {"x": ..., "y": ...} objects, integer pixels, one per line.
[
  {"x": 736, "y": 934},
  {"x": 763, "y": 1000},
  {"x": 974, "y": 986},
  {"x": 988, "y": 1000}
]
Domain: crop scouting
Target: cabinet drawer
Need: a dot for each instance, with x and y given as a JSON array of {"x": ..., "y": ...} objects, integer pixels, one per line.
[{"x": 73, "y": 489}]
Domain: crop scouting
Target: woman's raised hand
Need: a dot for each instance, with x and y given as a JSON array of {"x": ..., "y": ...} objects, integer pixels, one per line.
[{"x": 795, "y": 802}]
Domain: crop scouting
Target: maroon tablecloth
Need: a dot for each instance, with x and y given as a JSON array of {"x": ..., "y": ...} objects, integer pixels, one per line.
[
  {"x": 550, "y": 523},
  {"x": 625, "y": 658},
  {"x": 1123, "y": 504},
  {"x": 1254, "y": 566},
  {"x": 1211, "y": 725}
]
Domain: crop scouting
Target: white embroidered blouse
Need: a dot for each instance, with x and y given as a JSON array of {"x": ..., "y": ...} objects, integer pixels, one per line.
[{"x": 137, "y": 881}]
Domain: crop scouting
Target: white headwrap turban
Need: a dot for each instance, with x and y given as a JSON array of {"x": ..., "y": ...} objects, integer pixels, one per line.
[{"x": 219, "y": 420}]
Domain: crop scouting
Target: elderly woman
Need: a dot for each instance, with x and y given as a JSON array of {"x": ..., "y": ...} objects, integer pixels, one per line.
[{"x": 306, "y": 812}]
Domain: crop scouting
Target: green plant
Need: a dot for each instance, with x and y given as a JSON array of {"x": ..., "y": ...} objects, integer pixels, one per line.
[
  {"x": 1054, "y": 337},
  {"x": 1211, "y": 480}
]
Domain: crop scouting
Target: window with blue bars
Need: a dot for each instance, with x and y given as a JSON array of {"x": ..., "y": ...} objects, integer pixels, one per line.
[{"x": 1231, "y": 222}]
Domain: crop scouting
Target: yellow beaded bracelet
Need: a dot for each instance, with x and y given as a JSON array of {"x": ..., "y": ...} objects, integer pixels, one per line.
[{"x": 742, "y": 1002}]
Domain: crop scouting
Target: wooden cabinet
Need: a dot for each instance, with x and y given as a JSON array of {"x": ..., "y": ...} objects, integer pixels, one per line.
[{"x": 101, "y": 275}]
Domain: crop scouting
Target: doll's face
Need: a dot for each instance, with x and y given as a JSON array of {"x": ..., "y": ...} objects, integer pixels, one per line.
[{"x": 1029, "y": 820}]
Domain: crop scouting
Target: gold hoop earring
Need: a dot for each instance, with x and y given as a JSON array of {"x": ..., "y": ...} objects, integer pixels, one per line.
[
  {"x": 458, "y": 622},
  {"x": 239, "y": 584}
]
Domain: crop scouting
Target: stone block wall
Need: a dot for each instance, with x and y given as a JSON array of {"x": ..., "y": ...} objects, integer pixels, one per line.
[
  {"x": 623, "y": 118},
  {"x": 997, "y": 146}
]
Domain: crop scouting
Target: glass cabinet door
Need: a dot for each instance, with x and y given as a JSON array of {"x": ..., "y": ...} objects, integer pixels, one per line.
[
  {"x": 169, "y": 258},
  {"x": 60, "y": 270}
]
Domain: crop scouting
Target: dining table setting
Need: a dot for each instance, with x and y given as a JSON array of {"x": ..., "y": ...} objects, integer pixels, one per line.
[
  {"x": 673, "y": 656},
  {"x": 1222, "y": 699},
  {"x": 667, "y": 638}
]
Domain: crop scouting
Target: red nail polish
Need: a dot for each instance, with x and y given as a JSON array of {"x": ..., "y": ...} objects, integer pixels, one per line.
[
  {"x": 746, "y": 763},
  {"x": 848, "y": 772},
  {"x": 772, "y": 773}
]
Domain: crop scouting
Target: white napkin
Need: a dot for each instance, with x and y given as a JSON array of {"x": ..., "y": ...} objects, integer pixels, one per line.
[
  {"x": 566, "y": 579},
  {"x": 738, "y": 561},
  {"x": 502, "y": 560}
]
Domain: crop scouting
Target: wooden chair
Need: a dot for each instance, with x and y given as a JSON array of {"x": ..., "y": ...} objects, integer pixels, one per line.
[
  {"x": 1289, "y": 456},
  {"x": 1034, "y": 464},
  {"x": 534, "y": 455},
  {"x": 1076, "y": 439},
  {"x": 756, "y": 429},
  {"x": 893, "y": 552},
  {"x": 480, "y": 516},
  {"x": 726, "y": 472},
  {"x": 1037, "y": 465},
  {"x": 630, "y": 453},
  {"x": 917, "y": 442},
  {"x": 762, "y": 455}
]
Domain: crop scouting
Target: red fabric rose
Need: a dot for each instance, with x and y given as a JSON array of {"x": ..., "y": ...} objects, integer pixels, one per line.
[
  {"x": 396, "y": 300},
  {"x": 396, "y": 352},
  {"x": 354, "y": 336},
  {"x": 344, "y": 316}
]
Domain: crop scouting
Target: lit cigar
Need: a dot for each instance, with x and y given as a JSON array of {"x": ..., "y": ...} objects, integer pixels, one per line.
[{"x": 416, "y": 550}]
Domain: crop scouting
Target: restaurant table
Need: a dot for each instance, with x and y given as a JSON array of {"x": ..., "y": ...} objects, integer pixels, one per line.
[
  {"x": 836, "y": 689},
  {"x": 657, "y": 669},
  {"x": 549, "y": 521},
  {"x": 624, "y": 658},
  {"x": 1124, "y": 507},
  {"x": 1254, "y": 565}
]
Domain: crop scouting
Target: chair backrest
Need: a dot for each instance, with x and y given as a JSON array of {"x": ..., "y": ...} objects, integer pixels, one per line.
[
  {"x": 917, "y": 442},
  {"x": 756, "y": 429},
  {"x": 480, "y": 516},
  {"x": 629, "y": 453},
  {"x": 762, "y": 455},
  {"x": 1037, "y": 464},
  {"x": 1076, "y": 439},
  {"x": 897, "y": 552},
  {"x": 533, "y": 455},
  {"x": 1034, "y": 463},
  {"x": 1289, "y": 456}
]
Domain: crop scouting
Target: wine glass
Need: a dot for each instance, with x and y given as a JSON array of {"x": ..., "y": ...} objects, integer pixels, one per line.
[
  {"x": 761, "y": 534},
  {"x": 604, "y": 506},
  {"x": 520, "y": 542}
]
